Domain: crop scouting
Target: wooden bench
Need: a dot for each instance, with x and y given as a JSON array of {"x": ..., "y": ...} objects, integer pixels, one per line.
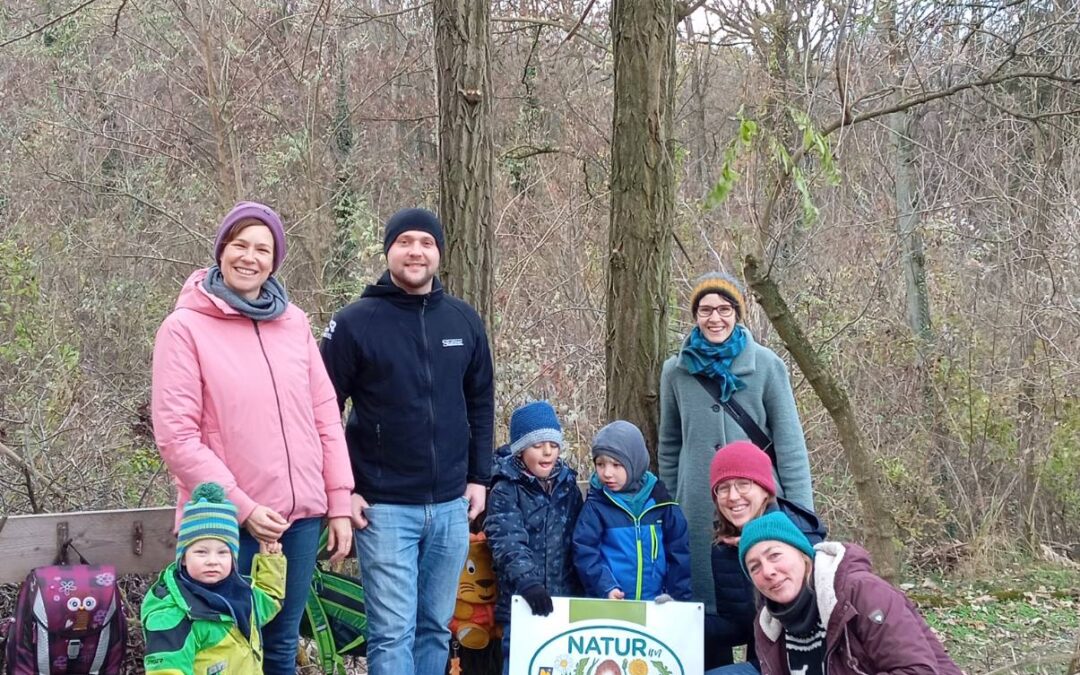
[{"x": 136, "y": 541}]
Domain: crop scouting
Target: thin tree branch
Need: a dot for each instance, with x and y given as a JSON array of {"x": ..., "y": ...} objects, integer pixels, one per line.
[
  {"x": 846, "y": 120},
  {"x": 46, "y": 482},
  {"x": 537, "y": 21},
  {"x": 116, "y": 18},
  {"x": 48, "y": 23},
  {"x": 685, "y": 9},
  {"x": 573, "y": 31}
]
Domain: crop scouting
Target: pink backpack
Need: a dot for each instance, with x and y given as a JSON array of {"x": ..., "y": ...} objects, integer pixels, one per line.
[{"x": 68, "y": 620}]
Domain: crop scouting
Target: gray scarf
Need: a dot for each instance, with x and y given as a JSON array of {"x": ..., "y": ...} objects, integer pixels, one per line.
[{"x": 271, "y": 303}]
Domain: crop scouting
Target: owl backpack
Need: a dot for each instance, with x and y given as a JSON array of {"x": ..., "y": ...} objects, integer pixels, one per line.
[{"x": 68, "y": 620}]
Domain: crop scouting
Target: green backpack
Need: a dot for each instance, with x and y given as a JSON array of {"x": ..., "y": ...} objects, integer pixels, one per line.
[{"x": 334, "y": 616}]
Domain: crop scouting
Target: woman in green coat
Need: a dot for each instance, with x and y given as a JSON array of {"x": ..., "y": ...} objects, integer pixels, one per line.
[{"x": 721, "y": 351}]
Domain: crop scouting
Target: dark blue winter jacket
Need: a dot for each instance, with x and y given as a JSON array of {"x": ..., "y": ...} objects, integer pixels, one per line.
[
  {"x": 734, "y": 591},
  {"x": 530, "y": 530},
  {"x": 643, "y": 555},
  {"x": 418, "y": 371}
]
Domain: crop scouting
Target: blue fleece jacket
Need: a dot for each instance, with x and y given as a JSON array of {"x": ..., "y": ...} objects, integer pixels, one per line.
[{"x": 418, "y": 370}]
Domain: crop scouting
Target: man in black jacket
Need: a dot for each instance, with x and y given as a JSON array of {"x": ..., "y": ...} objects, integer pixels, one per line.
[{"x": 416, "y": 364}]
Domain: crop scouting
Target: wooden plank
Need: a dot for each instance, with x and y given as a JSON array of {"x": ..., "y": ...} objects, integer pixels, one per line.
[{"x": 102, "y": 537}]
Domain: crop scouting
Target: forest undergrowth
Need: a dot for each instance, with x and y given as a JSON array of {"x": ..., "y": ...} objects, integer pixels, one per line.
[{"x": 1023, "y": 618}]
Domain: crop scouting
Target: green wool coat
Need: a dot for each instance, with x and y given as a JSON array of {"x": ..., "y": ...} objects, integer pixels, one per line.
[{"x": 692, "y": 425}]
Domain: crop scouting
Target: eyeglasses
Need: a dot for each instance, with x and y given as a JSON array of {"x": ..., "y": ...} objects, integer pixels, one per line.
[
  {"x": 725, "y": 311},
  {"x": 742, "y": 486}
]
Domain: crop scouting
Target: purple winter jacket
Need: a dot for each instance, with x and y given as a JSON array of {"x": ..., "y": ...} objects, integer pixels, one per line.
[{"x": 871, "y": 628}]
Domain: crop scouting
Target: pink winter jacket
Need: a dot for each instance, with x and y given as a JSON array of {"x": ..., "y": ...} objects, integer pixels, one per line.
[{"x": 248, "y": 405}]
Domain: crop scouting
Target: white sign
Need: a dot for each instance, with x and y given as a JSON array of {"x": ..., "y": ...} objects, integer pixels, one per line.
[{"x": 608, "y": 637}]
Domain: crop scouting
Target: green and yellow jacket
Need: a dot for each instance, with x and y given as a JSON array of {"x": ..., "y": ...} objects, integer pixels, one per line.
[{"x": 184, "y": 636}]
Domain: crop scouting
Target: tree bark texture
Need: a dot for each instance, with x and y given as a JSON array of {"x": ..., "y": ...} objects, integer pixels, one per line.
[
  {"x": 902, "y": 125},
  {"x": 642, "y": 206},
  {"x": 907, "y": 226},
  {"x": 230, "y": 176},
  {"x": 466, "y": 154},
  {"x": 879, "y": 525},
  {"x": 1074, "y": 664}
]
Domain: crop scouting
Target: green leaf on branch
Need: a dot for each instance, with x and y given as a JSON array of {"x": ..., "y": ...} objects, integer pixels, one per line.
[{"x": 720, "y": 191}]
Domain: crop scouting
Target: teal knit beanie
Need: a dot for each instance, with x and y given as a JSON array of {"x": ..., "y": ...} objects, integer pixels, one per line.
[
  {"x": 773, "y": 526},
  {"x": 209, "y": 515}
]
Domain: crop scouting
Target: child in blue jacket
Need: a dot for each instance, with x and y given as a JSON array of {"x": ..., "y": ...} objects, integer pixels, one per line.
[
  {"x": 631, "y": 538},
  {"x": 532, "y": 508}
]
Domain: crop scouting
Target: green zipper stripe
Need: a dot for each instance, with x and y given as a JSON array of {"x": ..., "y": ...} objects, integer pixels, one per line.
[
  {"x": 636, "y": 520},
  {"x": 637, "y": 594}
]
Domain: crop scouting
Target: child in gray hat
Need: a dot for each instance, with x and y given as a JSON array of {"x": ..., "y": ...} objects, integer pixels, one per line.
[{"x": 629, "y": 511}]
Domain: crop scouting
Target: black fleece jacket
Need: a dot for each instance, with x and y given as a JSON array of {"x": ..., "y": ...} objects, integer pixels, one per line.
[{"x": 418, "y": 370}]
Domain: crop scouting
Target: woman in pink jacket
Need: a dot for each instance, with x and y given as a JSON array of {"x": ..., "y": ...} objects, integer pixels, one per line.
[{"x": 241, "y": 398}]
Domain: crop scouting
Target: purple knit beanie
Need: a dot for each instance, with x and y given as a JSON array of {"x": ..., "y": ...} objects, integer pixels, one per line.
[{"x": 260, "y": 212}]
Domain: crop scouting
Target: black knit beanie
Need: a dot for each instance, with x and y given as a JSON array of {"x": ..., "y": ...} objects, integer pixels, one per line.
[{"x": 413, "y": 219}]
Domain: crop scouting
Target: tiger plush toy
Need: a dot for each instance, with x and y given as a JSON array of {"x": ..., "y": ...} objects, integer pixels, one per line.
[{"x": 474, "y": 624}]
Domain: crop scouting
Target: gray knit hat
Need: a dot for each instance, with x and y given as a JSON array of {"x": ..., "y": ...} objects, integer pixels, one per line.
[{"x": 624, "y": 442}]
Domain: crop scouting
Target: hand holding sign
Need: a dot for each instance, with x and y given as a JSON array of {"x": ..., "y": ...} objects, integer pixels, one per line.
[{"x": 538, "y": 598}]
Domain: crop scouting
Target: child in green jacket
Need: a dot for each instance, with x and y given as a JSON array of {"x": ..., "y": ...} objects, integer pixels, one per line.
[{"x": 202, "y": 617}]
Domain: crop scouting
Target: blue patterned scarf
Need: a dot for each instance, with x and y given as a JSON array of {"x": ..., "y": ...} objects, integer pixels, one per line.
[
  {"x": 714, "y": 360},
  {"x": 271, "y": 303}
]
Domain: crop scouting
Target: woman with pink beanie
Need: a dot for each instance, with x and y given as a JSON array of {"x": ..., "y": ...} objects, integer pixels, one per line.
[{"x": 743, "y": 488}]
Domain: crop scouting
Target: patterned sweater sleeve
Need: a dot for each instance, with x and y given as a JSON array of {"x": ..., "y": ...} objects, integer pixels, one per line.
[{"x": 505, "y": 528}]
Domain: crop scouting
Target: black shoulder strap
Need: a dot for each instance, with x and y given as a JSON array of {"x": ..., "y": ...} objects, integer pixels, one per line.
[{"x": 741, "y": 417}]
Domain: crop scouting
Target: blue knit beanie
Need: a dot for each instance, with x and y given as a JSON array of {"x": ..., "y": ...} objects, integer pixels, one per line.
[
  {"x": 624, "y": 442},
  {"x": 532, "y": 423},
  {"x": 209, "y": 515},
  {"x": 413, "y": 219},
  {"x": 773, "y": 526}
]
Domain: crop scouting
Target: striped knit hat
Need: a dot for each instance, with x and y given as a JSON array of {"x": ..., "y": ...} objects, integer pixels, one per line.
[
  {"x": 209, "y": 515},
  {"x": 534, "y": 423},
  {"x": 723, "y": 284}
]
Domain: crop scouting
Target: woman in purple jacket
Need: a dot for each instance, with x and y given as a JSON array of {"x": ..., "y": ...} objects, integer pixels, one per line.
[{"x": 825, "y": 611}]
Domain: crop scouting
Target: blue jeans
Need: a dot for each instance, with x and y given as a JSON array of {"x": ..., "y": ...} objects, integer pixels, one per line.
[
  {"x": 411, "y": 558},
  {"x": 300, "y": 544},
  {"x": 506, "y": 648}
]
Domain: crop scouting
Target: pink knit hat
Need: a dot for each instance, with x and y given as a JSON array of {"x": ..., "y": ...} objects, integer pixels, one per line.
[{"x": 742, "y": 459}]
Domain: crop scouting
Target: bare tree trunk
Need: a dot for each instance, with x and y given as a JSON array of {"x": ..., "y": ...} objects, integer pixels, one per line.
[
  {"x": 1038, "y": 239},
  {"x": 906, "y": 191},
  {"x": 880, "y": 527},
  {"x": 699, "y": 59},
  {"x": 642, "y": 207},
  {"x": 902, "y": 125},
  {"x": 466, "y": 153},
  {"x": 230, "y": 178}
]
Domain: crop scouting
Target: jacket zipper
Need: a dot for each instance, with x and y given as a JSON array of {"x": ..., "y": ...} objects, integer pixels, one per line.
[
  {"x": 281, "y": 418},
  {"x": 431, "y": 402},
  {"x": 640, "y": 562},
  {"x": 637, "y": 537}
]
